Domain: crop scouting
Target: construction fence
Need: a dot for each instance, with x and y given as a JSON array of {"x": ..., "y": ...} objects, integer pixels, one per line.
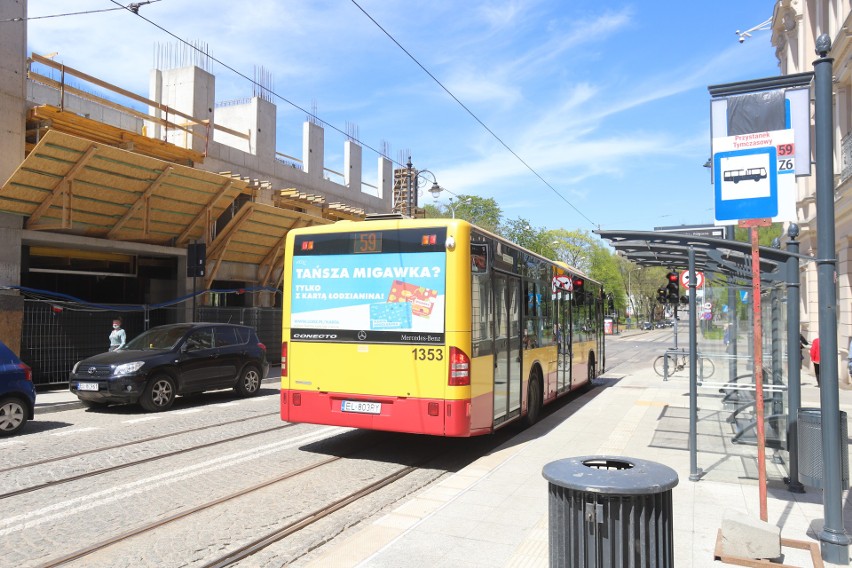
[{"x": 55, "y": 337}]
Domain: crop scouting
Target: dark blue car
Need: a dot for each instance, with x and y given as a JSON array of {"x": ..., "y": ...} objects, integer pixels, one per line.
[{"x": 17, "y": 392}]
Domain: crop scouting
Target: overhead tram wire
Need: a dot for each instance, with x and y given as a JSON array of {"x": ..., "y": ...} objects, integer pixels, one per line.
[
  {"x": 130, "y": 9},
  {"x": 476, "y": 118}
]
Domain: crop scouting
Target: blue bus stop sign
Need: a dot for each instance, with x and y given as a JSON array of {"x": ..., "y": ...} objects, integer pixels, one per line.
[{"x": 746, "y": 183}]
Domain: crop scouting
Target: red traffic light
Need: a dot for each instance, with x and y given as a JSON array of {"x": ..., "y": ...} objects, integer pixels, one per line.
[
  {"x": 578, "y": 283},
  {"x": 672, "y": 276}
]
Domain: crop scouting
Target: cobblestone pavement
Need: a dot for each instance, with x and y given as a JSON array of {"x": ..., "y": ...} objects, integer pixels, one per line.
[{"x": 207, "y": 447}]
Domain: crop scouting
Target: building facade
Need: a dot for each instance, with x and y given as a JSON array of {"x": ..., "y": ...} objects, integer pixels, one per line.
[{"x": 795, "y": 26}]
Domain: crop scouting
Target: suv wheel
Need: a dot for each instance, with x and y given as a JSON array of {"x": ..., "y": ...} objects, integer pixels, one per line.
[
  {"x": 13, "y": 415},
  {"x": 159, "y": 394},
  {"x": 249, "y": 382}
]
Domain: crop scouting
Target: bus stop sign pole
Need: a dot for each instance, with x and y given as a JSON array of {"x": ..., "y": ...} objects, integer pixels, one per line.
[{"x": 752, "y": 225}]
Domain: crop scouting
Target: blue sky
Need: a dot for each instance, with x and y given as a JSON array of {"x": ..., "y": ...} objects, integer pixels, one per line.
[{"x": 606, "y": 100}]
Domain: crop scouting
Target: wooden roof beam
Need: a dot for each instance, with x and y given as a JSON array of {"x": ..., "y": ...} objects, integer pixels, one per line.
[
  {"x": 205, "y": 213},
  {"x": 277, "y": 251},
  {"x": 143, "y": 199},
  {"x": 220, "y": 245},
  {"x": 61, "y": 189}
]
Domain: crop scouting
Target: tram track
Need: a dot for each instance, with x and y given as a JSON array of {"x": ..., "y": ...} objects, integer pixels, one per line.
[
  {"x": 126, "y": 465},
  {"x": 305, "y": 521},
  {"x": 258, "y": 544},
  {"x": 132, "y": 443}
]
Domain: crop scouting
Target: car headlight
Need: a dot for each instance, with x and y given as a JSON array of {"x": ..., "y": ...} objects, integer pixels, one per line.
[
  {"x": 74, "y": 370},
  {"x": 127, "y": 368}
]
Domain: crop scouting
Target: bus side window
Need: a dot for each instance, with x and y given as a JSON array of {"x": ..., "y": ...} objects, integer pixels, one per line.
[{"x": 478, "y": 258}]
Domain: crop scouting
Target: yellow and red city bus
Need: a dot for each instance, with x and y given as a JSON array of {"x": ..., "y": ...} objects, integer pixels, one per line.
[{"x": 430, "y": 326}]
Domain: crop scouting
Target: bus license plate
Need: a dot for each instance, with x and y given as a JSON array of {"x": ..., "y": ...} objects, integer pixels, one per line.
[
  {"x": 361, "y": 407},
  {"x": 87, "y": 386}
]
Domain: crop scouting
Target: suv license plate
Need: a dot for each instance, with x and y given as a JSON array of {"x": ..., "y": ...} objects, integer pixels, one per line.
[
  {"x": 87, "y": 386},
  {"x": 361, "y": 407}
]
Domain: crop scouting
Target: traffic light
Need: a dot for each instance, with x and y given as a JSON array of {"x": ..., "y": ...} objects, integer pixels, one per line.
[
  {"x": 661, "y": 294},
  {"x": 577, "y": 284},
  {"x": 673, "y": 288}
]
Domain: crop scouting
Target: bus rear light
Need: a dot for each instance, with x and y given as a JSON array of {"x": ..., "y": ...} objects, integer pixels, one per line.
[
  {"x": 427, "y": 240},
  {"x": 432, "y": 409},
  {"x": 307, "y": 245},
  {"x": 297, "y": 399},
  {"x": 459, "y": 368},
  {"x": 283, "y": 358},
  {"x": 283, "y": 399}
]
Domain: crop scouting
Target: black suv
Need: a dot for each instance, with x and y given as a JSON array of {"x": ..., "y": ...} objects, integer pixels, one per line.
[{"x": 169, "y": 360}]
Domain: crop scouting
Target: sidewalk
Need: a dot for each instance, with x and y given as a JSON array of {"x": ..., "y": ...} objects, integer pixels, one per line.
[{"x": 494, "y": 511}]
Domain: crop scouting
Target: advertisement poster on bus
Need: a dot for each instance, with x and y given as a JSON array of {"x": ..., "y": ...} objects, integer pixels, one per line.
[{"x": 373, "y": 298}]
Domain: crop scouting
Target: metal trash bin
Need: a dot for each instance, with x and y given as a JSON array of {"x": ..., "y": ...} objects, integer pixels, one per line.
[
  {"x": 809, "y": 435},
  {"x": 610, "y": 512}
]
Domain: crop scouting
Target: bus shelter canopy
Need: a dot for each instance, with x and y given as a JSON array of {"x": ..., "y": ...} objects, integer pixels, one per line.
[{"x": 717, "y": 258}]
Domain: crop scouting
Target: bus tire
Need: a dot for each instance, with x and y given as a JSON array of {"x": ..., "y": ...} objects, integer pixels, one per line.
[{"x": 534, "y": 398}]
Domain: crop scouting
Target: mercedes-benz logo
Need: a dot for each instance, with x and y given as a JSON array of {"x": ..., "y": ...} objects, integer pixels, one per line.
[
  {"x": 362, "y": 335},
  {"x": 91, "y": 370}
]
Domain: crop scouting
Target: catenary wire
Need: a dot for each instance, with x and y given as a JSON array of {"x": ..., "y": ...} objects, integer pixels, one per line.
[
  {"x": 137, "y": 5},
  {"x": 472, "y": 114}
]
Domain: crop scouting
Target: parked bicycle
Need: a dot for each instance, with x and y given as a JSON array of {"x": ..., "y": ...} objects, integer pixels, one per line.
[{"x": 678, "y": 365}]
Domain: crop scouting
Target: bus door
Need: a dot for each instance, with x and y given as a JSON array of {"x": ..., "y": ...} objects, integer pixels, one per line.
[
  {"x": 507, "y": 347},
  {"x": 563, "y": 339}
]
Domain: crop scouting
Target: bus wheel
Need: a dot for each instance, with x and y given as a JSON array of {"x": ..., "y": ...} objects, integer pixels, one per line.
[{"x": 534, "y": 399}]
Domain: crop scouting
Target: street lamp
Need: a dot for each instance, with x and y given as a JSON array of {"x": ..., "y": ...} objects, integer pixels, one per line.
[
  {"x": 417, "y": 182},
  {"x": 459, "y": 202},
  {"x": 436, "y": 190}
]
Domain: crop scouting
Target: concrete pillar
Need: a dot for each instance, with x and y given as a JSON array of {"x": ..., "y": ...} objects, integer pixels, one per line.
[
  {"x": 265, "y": 130},
  {"x": 352, "y": 165},
  {"x": 155, "y": 93},
  {"x": 385, "y": 177},
  {"x": 255, "y": 118},
  {"x": 313, "y": 150},
  {"x": 13, "y": 58},
  {"x": 192, "y": 91}
]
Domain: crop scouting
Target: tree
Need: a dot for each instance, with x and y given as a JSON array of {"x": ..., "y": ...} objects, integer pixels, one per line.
[
  {"x": 604, "y": 267},
  {"x": 481, "y": 211},
  {"x": 572, "y": 247},
  {"x": 521, "y": 232},
  {"x": 764, "y": 234}
]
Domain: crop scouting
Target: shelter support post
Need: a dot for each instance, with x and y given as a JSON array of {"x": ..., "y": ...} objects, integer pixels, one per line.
[
  {"x": 794, "y": 361},
  {"x": 732, "y": 318},
  {"x": 694, "y": 472}
]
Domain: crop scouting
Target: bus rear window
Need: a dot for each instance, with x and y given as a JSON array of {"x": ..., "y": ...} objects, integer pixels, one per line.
[{"x": 374, "y": 287}]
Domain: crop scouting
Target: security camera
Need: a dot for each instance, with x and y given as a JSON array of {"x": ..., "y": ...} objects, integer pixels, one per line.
[{"x": 742, "y": 39}]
